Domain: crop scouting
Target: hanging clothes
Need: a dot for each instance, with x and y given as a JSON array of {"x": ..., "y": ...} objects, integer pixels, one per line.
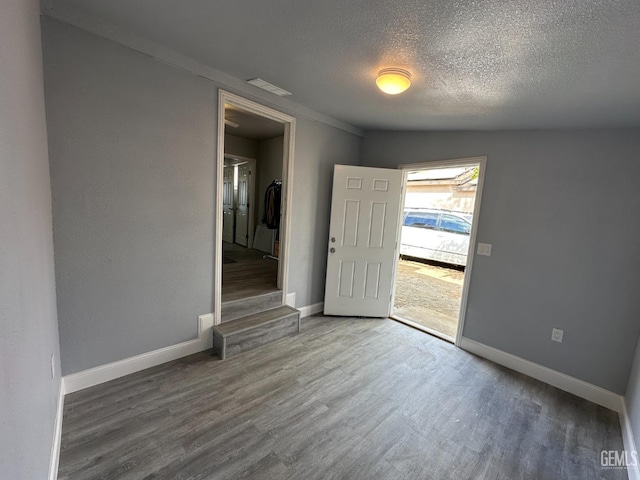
[{"x": 272, "y": 199}]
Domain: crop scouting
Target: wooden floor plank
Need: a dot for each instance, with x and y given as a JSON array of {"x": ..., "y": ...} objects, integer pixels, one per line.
[
  {"x": 249, "y": 275},
  {"x": 346, "y": 398}
]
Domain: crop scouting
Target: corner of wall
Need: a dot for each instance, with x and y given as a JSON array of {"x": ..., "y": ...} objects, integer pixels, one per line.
[
  {"x": 628, "y": 440},
  {"x": 57, "y": 434},
  {"x": 104, "y": 373},
  {"x": 577, "y": 387}
]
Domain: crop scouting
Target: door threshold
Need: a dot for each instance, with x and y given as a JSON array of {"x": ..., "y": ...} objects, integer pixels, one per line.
[{"x": 424, "y": 329}]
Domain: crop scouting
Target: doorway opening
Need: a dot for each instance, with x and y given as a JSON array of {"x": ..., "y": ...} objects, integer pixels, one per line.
[
  {"x": 437, "y": 234},
  {"x": 254, "y": 166}
]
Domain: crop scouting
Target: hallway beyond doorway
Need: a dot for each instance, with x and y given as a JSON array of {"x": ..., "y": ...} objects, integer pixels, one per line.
[{"x": 246, "y": 273}]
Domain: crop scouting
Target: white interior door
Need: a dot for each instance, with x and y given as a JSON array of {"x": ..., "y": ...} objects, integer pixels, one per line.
[
  {"x": 242, "y": 211},
  {"x": 363, "y": 241},
  {"x": 227, "y": 204}
]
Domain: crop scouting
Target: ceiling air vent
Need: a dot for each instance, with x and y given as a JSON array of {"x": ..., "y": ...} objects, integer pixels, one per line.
[{"x": 258, "y": 82}]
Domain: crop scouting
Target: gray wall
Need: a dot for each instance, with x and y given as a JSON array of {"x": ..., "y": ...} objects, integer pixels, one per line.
[
  {"x": 269, "y": 168},
  {"x": 318, "y": 148},
  {"x": 560, "y": 209},
  {"x": 243, "y": 147},
  {"x": 133, "y": 147},
  {"x": 29, "y": 330},
  {"x": 633, "y": 396}
]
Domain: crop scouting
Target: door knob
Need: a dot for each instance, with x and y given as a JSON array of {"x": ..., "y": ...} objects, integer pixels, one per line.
[{"x": 332, "y": 250}]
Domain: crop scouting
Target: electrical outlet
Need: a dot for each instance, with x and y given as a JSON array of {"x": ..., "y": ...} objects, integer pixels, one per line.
[
  {"x": 556, "y": 335},
  {"x": 53, "y": 365},
  {"x": 484, "y": 249}
]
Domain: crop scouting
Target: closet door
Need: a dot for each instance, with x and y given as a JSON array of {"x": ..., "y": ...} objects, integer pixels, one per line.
[
  {"x": 228, "y": 211},
  {"x": 242, "y": 211}
]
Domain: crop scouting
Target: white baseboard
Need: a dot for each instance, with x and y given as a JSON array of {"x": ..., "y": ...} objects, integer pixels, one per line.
[
  {"x": 580, "y": 388},
  {"x": 57, "y": 434},
  {"x": 104, "y": 373},
  {"x": 628, "y": 440},
  {"x": 311, "y": 309},
  {"x": 291, "y": 299}
]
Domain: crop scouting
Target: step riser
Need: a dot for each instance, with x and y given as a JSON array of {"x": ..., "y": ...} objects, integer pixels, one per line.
[
  {"x": 242, "y": 308},
  {"x": 239, "y": 342}
]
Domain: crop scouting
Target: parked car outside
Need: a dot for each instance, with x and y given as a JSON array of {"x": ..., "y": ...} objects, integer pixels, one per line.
[{"x": 439, "y": 235}]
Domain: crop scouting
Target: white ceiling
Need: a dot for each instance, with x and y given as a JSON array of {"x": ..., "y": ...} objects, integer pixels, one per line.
[{"x": 476, "y": 64}]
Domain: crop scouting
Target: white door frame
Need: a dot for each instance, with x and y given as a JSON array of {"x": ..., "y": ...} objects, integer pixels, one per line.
[
  {"x": 482, "y": 162},
  {"x": 289, "y": 122},
  {"x": 252, "y": 191}
]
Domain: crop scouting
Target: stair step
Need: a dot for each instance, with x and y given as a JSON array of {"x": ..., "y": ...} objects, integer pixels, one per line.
[
  {"x": 235, "y": 309},
  {"x": 255, "y": 330}
]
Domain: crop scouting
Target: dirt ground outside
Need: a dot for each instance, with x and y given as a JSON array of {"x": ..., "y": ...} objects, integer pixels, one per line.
[{"x": 429, "y": 294}]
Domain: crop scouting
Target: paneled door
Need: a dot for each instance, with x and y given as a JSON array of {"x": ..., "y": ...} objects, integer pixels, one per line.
[
  {"x": 242, "y": 211},
  {"x": 228, "y": 209},
  {"x": 363, "y": 241}
]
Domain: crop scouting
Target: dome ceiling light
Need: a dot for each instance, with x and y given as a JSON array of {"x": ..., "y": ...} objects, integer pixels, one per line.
[{"x": 393, "y": 80}]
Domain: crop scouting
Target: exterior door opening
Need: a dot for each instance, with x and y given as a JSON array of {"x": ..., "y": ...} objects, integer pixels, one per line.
[{"x": 436, "y": 239}]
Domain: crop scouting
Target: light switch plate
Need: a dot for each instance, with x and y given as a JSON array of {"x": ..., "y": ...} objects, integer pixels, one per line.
[{"x": 484, "y": 249}]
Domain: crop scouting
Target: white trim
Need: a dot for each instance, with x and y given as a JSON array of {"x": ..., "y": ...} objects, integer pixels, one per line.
[
  {"x": 57, "y": 434},
  {"x": 311, "y": 309},
  {"x": 394, "y": 271},
  {"x": 285, "y": 217},
  {"x": 218, "y": 218},
  {"x": 628, "y": 440},
  {"x": 578, "y": 387},
  {"x": 482, "y": 164},
  {"x": 482, "y": 161},
  {"x": 291, "y": 299},
  {"x": 104, "y": 373},
  {"x": 177, "y": 60},
  {"x": 289, "y": 122},
  {"x": 443, "y": 163}
]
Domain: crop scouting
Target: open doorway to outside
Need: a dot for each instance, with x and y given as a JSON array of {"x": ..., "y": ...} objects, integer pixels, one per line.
[
  {"x": 254, "y": 145},
  {"x": 441, "y": 205}
]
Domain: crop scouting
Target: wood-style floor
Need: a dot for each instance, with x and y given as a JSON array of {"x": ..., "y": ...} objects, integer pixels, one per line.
[
  {"x": 345, "y": 399},
  {"x": 248, "y": 275}
]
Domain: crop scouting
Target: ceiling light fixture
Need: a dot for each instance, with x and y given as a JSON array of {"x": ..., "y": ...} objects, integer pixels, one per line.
[{"x": 393, "y": 80}]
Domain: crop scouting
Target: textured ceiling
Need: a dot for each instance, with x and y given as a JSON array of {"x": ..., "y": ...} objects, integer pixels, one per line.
[{"x": 476, "y": 64}]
